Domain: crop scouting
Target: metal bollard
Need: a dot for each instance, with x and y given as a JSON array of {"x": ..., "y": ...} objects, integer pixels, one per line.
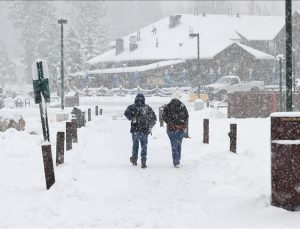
[
  {"x": 101, "y": 111},
  {"x": 206, "y": 131},
  {"x": 69, "y": 135},
  {"x": 232, "y": 135},
  {"x": 74, "y": 130},
  {"x": 89, "y": 114},
  {"x": 60, "y": 147},
  {"x": 48, "y": 165},
  {"x": 96, "y": 110}
]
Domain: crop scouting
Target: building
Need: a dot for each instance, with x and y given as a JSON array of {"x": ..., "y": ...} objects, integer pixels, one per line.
[{"x": 165, "y": 54}]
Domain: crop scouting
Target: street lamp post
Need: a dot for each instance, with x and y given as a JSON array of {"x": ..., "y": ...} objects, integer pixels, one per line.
[
  {"x": 62, "y": 22},
  {"x": 192, "y": 35},
  {"x": 294, "y": 70},
  {"x": 289, "y": 60},
  {"x": 280, "y": 57}
]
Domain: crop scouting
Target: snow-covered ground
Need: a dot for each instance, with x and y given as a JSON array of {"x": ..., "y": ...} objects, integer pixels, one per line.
[{"x": 98, "y": 187}]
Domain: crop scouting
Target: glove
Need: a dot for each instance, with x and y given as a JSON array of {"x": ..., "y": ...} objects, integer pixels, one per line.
[{"x": 150, "y": 131}]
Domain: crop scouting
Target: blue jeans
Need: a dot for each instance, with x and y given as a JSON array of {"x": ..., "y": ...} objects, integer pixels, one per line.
[
  {"x": 176, "y": 141},
  {"x": 136, "y": 138}
]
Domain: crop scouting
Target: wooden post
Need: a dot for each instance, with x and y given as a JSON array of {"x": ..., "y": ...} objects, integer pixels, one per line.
[
  {"x": 206, "y": 131},
  {"x": 27, "y": 102},
  {"x": 186, "y": 132},
  {"x": 89, "y": 114},
  {"x": 96, "y": 110},
  {"x": 101, "y": 111},
  {"x": 232, "y": 134},
  {"x": 83, "y": 120},
  {"x": 68, "y": 136},
  {"x": 48, "y": 165},
  {"x": 60, "y": 147},
  {"x": 74, "y": 130},
  {"x": 161, "y": 110}
]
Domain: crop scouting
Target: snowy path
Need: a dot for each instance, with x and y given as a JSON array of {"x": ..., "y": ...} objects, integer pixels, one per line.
[{"x": 98, "y": 187}]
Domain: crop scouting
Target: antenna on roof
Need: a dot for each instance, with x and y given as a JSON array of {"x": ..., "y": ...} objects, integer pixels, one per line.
[{"x": 196, "y": 11}]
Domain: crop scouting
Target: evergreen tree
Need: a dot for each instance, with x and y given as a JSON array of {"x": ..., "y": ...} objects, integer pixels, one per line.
[
  {"x": 90, "y": 27},
  {"x": 73, "y": 56},
  {"x": 7, "y": 67},
  {"x": 39, "y": 34}
]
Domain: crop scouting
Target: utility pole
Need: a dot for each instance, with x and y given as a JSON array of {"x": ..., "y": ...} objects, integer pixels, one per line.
[
  {"x": 280, "y": 83},
  {"x": 192, "y": 35},
  {"x": 289, "y": 55},
  {"x": 294, "y": 70},
  {"x": 62, "y": 22}
]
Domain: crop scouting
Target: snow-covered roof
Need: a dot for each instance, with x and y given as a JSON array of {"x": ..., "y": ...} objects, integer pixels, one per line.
[
  {"x": 216, "y": 33},
  {"x": 256, "y": 53},
  {"x": 142, "y": 68}
]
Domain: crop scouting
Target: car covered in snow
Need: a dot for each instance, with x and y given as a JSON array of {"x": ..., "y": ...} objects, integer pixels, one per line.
[{"x": 228, "y": 84}]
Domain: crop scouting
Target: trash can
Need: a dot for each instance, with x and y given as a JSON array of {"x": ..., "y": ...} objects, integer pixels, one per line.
[
  {"x": 285, "y": 160},
  {"x": 72, "y": 100},
  {"x": 80, "y": 117},
  {"x": 198, "y": 104}
]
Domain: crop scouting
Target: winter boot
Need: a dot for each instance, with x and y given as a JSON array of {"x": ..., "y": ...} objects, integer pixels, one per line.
[
  {"x": 176, "y": 164},
  {"x": 133, "y": 161},
  {"x": 143, "y": 166}
]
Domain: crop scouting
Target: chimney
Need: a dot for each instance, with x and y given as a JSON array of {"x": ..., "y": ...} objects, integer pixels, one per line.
[
  {"x": 119, "y": 46},
  {"x": 174, "y": 20},
  {"x": 230, "y": 11},
  {"x": 133, "y": 43}
]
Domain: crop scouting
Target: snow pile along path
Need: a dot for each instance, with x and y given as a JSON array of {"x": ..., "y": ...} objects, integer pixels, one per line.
[{"x": 98, "y": 187}]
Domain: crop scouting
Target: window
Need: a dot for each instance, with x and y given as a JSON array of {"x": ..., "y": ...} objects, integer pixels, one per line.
[{"x": 234, "y": 81}]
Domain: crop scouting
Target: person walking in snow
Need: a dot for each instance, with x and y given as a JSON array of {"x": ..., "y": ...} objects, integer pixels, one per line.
[
  {"x": 176, "y": 116},
  {"x": 142, "y": 119}
]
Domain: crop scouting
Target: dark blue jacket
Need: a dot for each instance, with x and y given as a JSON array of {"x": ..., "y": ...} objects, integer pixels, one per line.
[{"x": 142, "y": 116}]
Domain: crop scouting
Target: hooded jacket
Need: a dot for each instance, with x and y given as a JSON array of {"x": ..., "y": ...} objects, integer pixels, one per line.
[
  {"x": 141, "y": 115},
  {"x": 175, "y": 115}
]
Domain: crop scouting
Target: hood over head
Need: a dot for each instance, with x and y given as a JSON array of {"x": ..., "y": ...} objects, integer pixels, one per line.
[
  {"x": 175, "y": 102},
  {"x": 139, "y": 100}
]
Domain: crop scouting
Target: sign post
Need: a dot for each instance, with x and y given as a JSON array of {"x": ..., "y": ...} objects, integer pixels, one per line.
[
  {"x": 40, "y": 80},
  {"x": 40, "y": 76}
]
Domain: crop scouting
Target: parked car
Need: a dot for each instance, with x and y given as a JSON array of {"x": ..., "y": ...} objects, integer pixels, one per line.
[{"x": 228, "y": 84}]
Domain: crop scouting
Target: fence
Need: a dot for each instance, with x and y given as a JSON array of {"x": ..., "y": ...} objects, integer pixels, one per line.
[
  {"x": 257, "y": 104},
  {"x": 162, "y": 92}
]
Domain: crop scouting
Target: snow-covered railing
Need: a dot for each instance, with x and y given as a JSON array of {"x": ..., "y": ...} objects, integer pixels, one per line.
[{"x": 163, "y": 92}]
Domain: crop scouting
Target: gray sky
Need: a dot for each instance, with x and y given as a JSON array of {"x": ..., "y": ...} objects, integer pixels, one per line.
[{"x": 127, "y": 16}]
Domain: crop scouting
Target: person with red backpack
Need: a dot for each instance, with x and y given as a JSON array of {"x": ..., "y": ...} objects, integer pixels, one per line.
[
  {"x": 142, "y": 119},
  {"x": 176, "y": 116}
]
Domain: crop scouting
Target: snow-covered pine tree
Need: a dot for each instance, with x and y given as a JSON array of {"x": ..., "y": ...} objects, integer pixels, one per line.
[
  {"x": 7, "y": 67},
  {"x": 39, "y": 31},
  {"x": 73, "y": 55},
  {"x": 90, "y": 27}
]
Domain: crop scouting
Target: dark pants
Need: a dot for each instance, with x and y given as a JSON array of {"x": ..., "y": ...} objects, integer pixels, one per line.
[
  {"x": 176, "y": 141},
  {"x": 136, "y": 138}
]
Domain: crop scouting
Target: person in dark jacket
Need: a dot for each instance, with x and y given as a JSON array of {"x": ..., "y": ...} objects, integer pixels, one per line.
[
  {"x": 142, "y": 119},
  {"x": 176, "y": 116}
]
